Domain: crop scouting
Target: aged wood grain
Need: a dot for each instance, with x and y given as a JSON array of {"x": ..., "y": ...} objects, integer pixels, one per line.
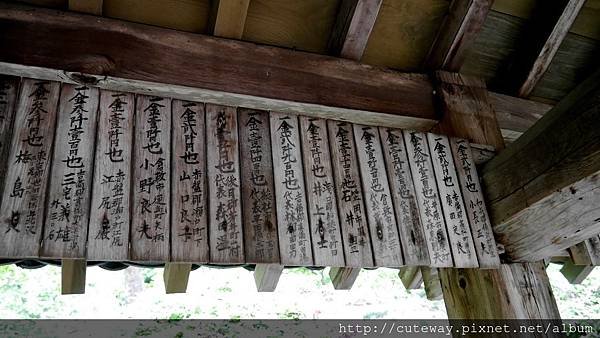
[
  {"x": 402, "y": 188},
  {"x": 431, "y": 283},
  {"x": 387, "y": 248},
  {"x": 228, "y": 18},
  {"x": 70, "y": 188},
  {"x": 258, "y": 190},
  {"x": 411, "y": 277},
  {"x": 322, "y": 205},
  {"x": 226, "y": 235},
  {"x": 428, "y": 197},
  {"x": 353, "y": 26},
  {"x": 350, "y": 198},
  {"x": 453, "y": 206},
  {"x": 9, "y": 87},
  {"x": 150, "y": 223},
  {"x": 292, "y": 211},
  {"x": 593, "y": 247},
  {"x": 23, "y": 199},
  {"x": 110, "y": 214},
  {"x": 189, "y": 230}
]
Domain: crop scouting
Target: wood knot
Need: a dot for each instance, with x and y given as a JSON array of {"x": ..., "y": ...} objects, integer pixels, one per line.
[{"x": 462, "y": 283}]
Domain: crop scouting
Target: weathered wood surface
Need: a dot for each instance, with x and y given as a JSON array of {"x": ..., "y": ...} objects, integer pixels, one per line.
[
  {"x": 343, "y": 278},
  {"x": 70, "y": 187},
  {"x": 86, "y": 6},
  {"x": 476, "y": 211},
  {"x": 410, "y": 228},
  {"x": 387, "y": 249},
  {"x": 586, "y": 252},
  {"x": 575, "y": 273},
  {"x": 431, "y": 283},
  {"x": 73, "y": 273},
  {"x": 226, "y": 236},
  {"x": 428, "y": 198},
  {"x": 258, "y": 189},
  {"x": 24, "y": 196},
  {"x": 151, "y": 185},
  {"x": 326, "y": 236},
  {"x": 350, "y": 198},
  {"x": 290, "y": 196},
  {"x": 110, "y": 215},
  {"x": 176, "y": 276},
  {"x": 453, "y": 206},
  {"x": 9, "y": 88},
  {"x": 411, "y": 277},
  {"x": 353, "y": 26},
  {"x": 266, "y": 276},
  {"x": 593, "y": 246},
  {"x": 229, "y": 18},
  {"x": 189, "y": 230}
]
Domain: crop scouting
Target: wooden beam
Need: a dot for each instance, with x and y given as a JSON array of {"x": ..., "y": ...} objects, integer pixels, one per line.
[
  {"x": 228, "y": 18},
  {"x": 550, "y": 46},
  {"x": 542, "y": 191},
  {"x": 411, "y": 277},
  {"x": 266, "y": 276},
  {"x": 343, "y": 278},
  {"x": 431, "y": 282},
  {"x": 457, "y": 32},
  {"x": 86, "y": 6},
  {"x": 73, "y": 276},
  {"x": 175, "y": 276},
  {"x": 576, "y": 273},
  {"x": 516, "y": 115},
  {"x": 353, "y": 26}
]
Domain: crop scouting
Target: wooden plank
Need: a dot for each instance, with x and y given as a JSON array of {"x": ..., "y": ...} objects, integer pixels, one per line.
[
  {"x": 322, "y": 204},
  {"x": 516, "y": 115},
  {"x": 575, "y": 273},
  {"x": 86, "y": 6},
  {"x": 68, "y": 197},
  {"x": 343, "y": 278},
  {"x": 579, "y": 254},
  {"x": 411, "y": 277},
  {"x": 387, "y": 249},
  {"x": 110, "y": 218},
  {"x": 431, "y": 283},
  {"x": 481, "y": 227},
  {"x": 350, "y": 197},
  {"x": 428, "y": 197},
  {"x": 459, "y": 29},
  {"x": 229, "y": 18},
  {"x": 175, "y": 277},
  {"x": 453, "y": 206},
  {"x": 353, "y": 26},
  {"x": 23, "y": 200},
  {"x": 189, "y": 230},
  {"x": 260, "y": 71},
  {"x": 150, "y": 223},
  {"x": 9, "y": 88},
  {"x": 266, "y": 276},
  {"x": 73, "y": 273},
  {"x": 226, "y": 236},
  {"x": 410, "y": 228},
  {"x": 292, "y": 216},
  {"x": 258, "y": 190},
  {"x": 550, "y": 46},
  {"x": 593, "y": 246}
]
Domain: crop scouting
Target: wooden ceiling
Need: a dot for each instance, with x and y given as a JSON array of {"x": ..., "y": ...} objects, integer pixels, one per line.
[{"x": 401, "y": 37}]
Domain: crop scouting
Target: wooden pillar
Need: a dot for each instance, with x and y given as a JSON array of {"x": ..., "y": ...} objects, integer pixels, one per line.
[
  {"x": 176, "y": 277},
  {"x": 73, "y": 276},
  {"x": 520, "y": 290},
  {"x": 431, "y": 282},
  {"x": 411, "y": 277},
  {"x": 343, "y": 278},
  {"x": 266, "y": 276}
]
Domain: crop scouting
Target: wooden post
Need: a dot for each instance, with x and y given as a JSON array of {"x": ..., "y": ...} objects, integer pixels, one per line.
[
  {"x": 411, "y": 277},
  {"x": 73, "y": 276},
  {"x": 176, "y": 277},
  {"x": 266, "y": 276},
  {"x": 343, "y": 278},
  {"x": 431, "y": 281},
  {"x": 575, "y": 273}
]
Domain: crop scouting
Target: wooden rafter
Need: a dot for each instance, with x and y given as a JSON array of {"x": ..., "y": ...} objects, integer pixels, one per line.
[
  {"x": 228, "y": 18},
  {"x": 86, "y": 6},
  {"x": 353, "y": 27}
]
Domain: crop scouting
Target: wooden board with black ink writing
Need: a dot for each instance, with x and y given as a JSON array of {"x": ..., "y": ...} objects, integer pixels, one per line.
[
  {"x": 68, "y": 198},
  {"x": 224, "y": 193},
  {"x": 150, "y": 221},
  {"x": 322, "y": 205},
  {"x": 428, "y": 198},
  {"x": 378, "y": 201},
  {"x": 402, "y": 188},
  {"x": 453, "y": 206},
  {"x": 189, "y": 229},
  {"x": 290, "y": 196},
  {"x": 258, "y": 190},
  {"x": 108, "y": 236},
  {"x": 481, "y": 227},
  {"x": 23, "y": 198},
  {"x": 9, "y": 88},
  {"x": 350, "y": 198}
]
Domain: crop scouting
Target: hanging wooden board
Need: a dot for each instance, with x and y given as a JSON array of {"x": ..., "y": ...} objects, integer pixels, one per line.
[
  {"x": 108, "y": 236},
  {"x": 9, "y": 87},
  {"x": 380, "y": 212},
  {"x": 351, "y": 205},
  {"x": 189, "y": 230},
  {"x": 453, "y": 206},
  {"x": 290, "y": 196},
  {"x": 150, "y": 228},
  {"x": 225, "y": 209},
  {"x": 22, "y": 209},
  {"x": 481, "y": 227},
  {"x": 428, "y": 198},
  {"x": 402, "y": 188},
  {"x": 68, "y": 198},
  {"x": 322, "y": 205},
  {"x": 258, "y": 190}
]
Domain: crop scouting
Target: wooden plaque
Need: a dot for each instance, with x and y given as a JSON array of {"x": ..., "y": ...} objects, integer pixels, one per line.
[
  {"x": 224, "y": 206},
  {"x": 428, "y": 197},
  {"x": 68, "y": 198},
  {"x": 402, "y": 188},
  {"x": 290, "y": 196},
  {"x": 189, "y": 229},
  {"x": 150, "y": 223},
  {"x": 380, "y": 211},
  {"x": 9, "y": 87},
  {"x": 322, "y": 205},
  {"x": 108, "y": 236},
  {"x": 258, "y": 191},
  {"x": 350, "y": 197},
  {"x": 24, "y": 195}
]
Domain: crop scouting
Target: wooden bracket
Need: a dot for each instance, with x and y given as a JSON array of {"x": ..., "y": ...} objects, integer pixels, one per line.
[
  {"x": 73, "y": 276},
  {"x": 343, "y": 278},
  {"x": 411, "y": 277},
  {"x": 266, "y": 276},
  {"x": 176, "y": 277}
]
